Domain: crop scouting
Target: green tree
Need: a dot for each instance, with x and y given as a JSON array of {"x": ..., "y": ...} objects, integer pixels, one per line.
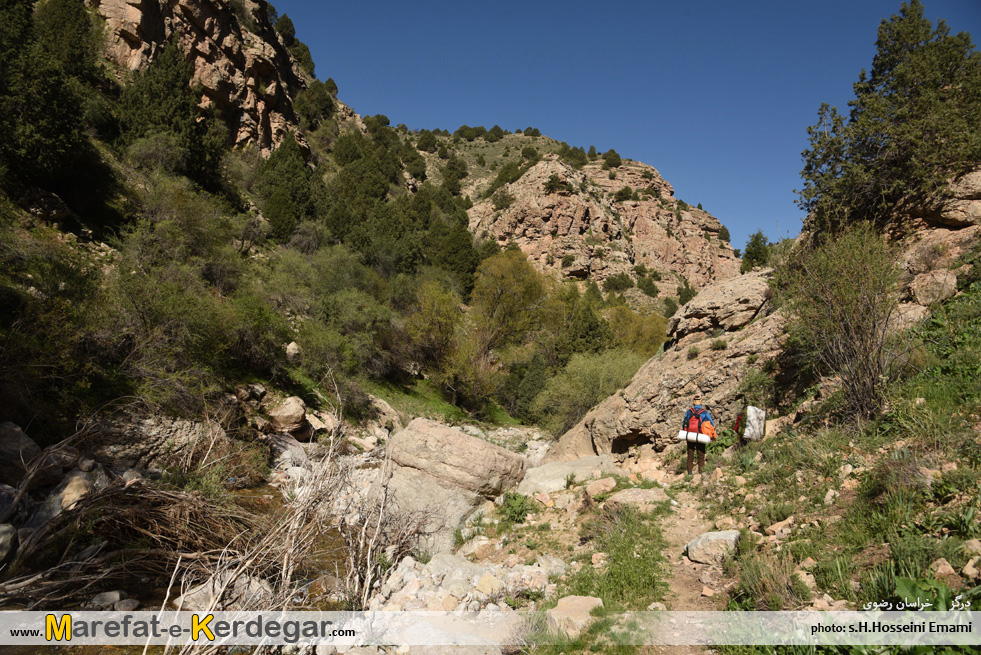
[
  {"x": 612, "y": 158},
  {"x": 756, "y": 252},
  {"x": 427, "y": 141},
  {"x": 844, "y": 297},
  {"x": 912, "y": 126},
  {"x": 685, "y": 291},
  {"x": 66, "y": 35},
  {"x": 507, "y": 297},
  {"x": 290, "y": 189},
  {"x": 434, "y": 321},
  {"x": 723, "y": 233},
  {"x": 161, "y": 100},
  {"x": 284, "y": 25},
  {"x": 313, "y": 105}
]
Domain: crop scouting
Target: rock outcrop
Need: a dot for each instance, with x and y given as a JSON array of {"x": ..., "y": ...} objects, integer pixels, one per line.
[
  {"x": 712, "y": 343},
  {"x": 582, "y": 232},
  {"x": 245, "y": 71}
]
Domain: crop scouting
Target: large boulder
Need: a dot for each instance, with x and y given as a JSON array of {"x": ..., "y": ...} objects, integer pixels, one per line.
[
  {"x": 445, "y": 474},
  {"x": 290, "y": 416},
  {"x": 555, "y": 476},
  {"x": 961, "y": 205},
  {"x": 456, "y": 458},
  {"x": 651, "y": 407}
]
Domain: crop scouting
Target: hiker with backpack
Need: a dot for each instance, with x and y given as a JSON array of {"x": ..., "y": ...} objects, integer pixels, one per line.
[{"x": 698, "y": 419}]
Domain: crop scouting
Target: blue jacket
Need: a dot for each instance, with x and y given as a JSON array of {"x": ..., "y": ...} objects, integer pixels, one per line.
[{"x": 703, "y": 413}]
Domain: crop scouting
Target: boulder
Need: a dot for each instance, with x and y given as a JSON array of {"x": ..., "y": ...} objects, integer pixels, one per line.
[
  {"x": 645, "y": 500},
  {"x": 286, "y": 451},
  {"x": 755, "y": 424},
  {"x": 554, "y": 476},
  {"x": 293, "y": 352},
  {"x": 455, "y": 458},
  {"x": 601, "y": 486},
  {"x": 290, "y": 416},
  {"x": 933, "y": 287},
  {"x": 17, "y": 452},
  {"x": 572, "y": 615},
  {"x": 712, "y": 547}
]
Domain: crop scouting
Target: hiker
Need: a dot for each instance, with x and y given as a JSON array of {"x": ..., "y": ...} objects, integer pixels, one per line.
[{"x": 698, "y": 419}]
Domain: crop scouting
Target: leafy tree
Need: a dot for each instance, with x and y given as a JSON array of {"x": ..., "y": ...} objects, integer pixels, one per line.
[
  {"x": 434, "y": 321},
  {"x": 554, "y": 184},
  {"x": 626, "y": 193},
  {"x": 592, "y": 154},
  {"x": 612, "y": 158},
  {"x": 530, "y": 153},
  {"x": 685, "y": 291},
  {"x": 427, "y": 141},
  {"x": 290, "y": 189},
  {"x": 586, "y": 332},
  {"x": 670, "y": 307},
  {"x": 912, "y": 125},
  {"x": 284, "y": 25},
  {"x": 648, "y": 286},
  {"x": 162, "y": 100},
  {"x": 313, "y": 105},
  {"x": 723, "y": 233},
  {"x": 532, "y": 131},
  {"x": 507, "y": 297},
  {"x": 844, "y": 297},
  {"x": 66, "y": 35},
  {"x": 618, "y": 282},
  {"x": 756, "y": 252},
  {"x": 640, "y": 334},
  {"x": 494, "y": 134},
  {"x": 331, "y": 86}
]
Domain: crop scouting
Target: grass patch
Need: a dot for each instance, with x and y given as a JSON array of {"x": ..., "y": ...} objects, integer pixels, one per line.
[{"x": 633, "y": 575}]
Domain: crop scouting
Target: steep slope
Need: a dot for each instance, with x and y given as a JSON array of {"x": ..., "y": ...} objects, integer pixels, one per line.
[
  {"x": 571, "y": 222},
  {"x": 245, "y": 71}
]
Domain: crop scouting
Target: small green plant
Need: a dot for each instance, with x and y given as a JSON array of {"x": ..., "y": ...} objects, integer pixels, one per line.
[
  {"x": 570, "y": 480},
  {"x": 693, "y": 352},
  {"x": 568, "y": 260},
  {"x": 516, "y": 507},
  {"x": 719, "y": 344}
]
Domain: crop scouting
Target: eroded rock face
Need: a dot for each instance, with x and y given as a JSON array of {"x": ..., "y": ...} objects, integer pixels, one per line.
[
  {"x": 652, "y": 406},
  {"x": 962, "y": 206},
  {"x": 580, "y": 232},
  {"x": 249, "y": 77}
]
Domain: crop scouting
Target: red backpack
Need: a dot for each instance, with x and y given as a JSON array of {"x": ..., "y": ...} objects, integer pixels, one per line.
[{"x": 695, "y": 422}]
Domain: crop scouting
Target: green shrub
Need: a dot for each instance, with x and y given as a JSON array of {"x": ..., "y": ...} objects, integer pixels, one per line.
[
  {"x": 648, "y": 286},
  {"x": 502, "y": 200},
  {"x": 618, "y": 282},
  {"x": 516, "y": 507},
  {"x": 685, "y": 292},
  {"x": 568, "y": 260},
  {"x": 586, "y": 380},
  {"x": 626, "y": 193},
  {"x": 719, "y": 344},
  {"x": 554, "y": 184},
  {"x": 756, "y": 252},
  {"x": 693, "y": 352},
  {"x": 670, "y": 307},
  {"x": 530, "y": 153},
  {"x": 611, "y": 159}
]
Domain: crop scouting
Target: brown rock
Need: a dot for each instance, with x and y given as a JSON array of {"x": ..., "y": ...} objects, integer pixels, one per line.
[
  {"x": 933, "y": 287},
  {"x": 942, "y": 567},
  {"x": 601, "y": 486},
  {"x": 290, "y": 416},
  {"x": 250, "y": 78},
  {"x": 781, "y": 526}
]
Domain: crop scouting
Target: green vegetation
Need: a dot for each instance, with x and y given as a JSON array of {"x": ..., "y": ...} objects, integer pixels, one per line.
[
  {"x": 912, "y": 126},
  {"x": 618, "y": 282},
  {"x": 756, "y": 252}
]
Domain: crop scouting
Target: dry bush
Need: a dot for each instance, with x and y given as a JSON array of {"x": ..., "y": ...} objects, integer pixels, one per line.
[{"x": 770, "y": 580}]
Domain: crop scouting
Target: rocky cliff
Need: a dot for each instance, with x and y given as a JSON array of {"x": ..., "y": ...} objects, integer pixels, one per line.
[
  {"x": 245, "y": 71},
  {"x": 575, "y": 226}
]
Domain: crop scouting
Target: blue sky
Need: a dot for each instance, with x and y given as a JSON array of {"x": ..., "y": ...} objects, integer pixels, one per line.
[{"x": 716, "y": 95}]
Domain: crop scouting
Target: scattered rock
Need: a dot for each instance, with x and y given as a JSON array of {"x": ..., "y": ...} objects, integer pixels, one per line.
[
  {"x": 942, "y": 567},
  {"x": 489, "y": 585},
  {"x": 830, "y": 497},
  {"x": 712, "y": 547},
  {"x": 808, "y": 564},
  {"x": 572, "y": 614},
  {"x": 933, "y": 287},
  {"x": 970, "y": 570},
  {"x": 707, "y": 592},
  {"x": 599, "y": 559},
  {"x": 740, "y": 481},
  {"x": 246, "y": 591},
  {"x": 126, "y": 605},
  {"x": 107, "y": 599},
  {"x": 973, "y": 546},
  {"x": 286, "y": 451},
  {"x": 657, "y": 607},
  {"x": 293, "y": 352},
  {"x": 781, "y": 527},
  {"x": 601, "y": 486}
]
